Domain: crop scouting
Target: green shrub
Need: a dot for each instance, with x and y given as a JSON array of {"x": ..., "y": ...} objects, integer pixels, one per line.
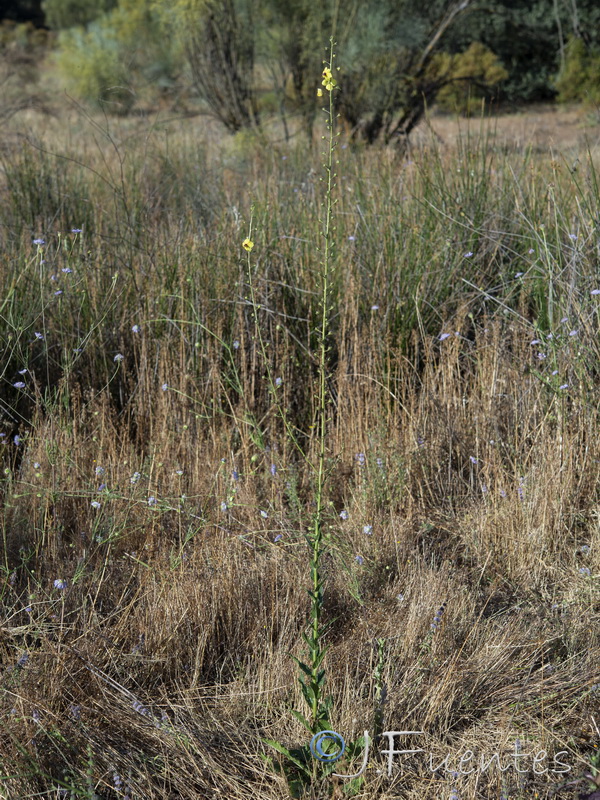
[
  {"x": 579, "y": 80},
  {"x": 92, "y": 65},
  {"x": 471, "y": 76}
]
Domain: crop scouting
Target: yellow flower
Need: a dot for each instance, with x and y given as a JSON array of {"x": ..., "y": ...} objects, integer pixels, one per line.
[
  {"x": 247, "y": 244},
  {"x": 328, "y": 80},
  {"x": 319, "y": 92}
]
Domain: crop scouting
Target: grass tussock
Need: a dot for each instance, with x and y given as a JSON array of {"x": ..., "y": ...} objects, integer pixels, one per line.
[{"x": 154, "y": 506}]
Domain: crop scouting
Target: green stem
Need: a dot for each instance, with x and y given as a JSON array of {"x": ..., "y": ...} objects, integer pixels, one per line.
[{"x": 323, "y": 398}]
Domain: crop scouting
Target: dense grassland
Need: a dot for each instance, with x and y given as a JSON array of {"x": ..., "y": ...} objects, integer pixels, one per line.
[{"x": 154, "y": 502}]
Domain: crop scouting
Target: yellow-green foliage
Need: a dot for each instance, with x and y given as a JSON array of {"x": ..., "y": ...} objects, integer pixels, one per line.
[
  {"x": 121, "y": 54},
  {"x": 579, "y": 80},
  {"x": 470, "y": 74}
]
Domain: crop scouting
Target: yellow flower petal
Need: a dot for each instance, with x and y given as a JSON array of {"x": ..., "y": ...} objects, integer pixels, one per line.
[
  {"x": 247, "y": 244},
  {"x": 319, "y": 92}
]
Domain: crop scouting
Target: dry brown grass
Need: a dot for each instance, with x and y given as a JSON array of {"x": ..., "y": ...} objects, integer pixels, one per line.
[{"x": 166, "y": 660}]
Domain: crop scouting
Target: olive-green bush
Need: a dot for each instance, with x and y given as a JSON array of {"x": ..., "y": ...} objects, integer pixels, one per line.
[
  {"x": 579, "y": 80},
  {"x": 62, "y": 14},
  {"x": 471, "y": 75}
]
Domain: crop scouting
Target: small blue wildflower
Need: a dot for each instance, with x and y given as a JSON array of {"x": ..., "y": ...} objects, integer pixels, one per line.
[
  {"x": 137, "y": 706},
  {"x": 379, "y": 462},
  {"x": 360, "y": 459},
  {"x": 39, "y": 242},
  {"x": 135, "y": 328},
  {"x": 375, "y": 308},
  {"x": 585, "y": 571},
  {"x": 102, "y": 487},
  {"x": 595, "y": 291},
  {"x": 100, "y": 470},
  {"x": 573, "y": 237},
  {"x": 236, "y": 344},
  {"x": 438, "y": 617},
  {"x": 76, "y": 230},
  {"x": 235, "y": 475},
  {"x": 278, "y": 538},
  {"x": 95, "y": 504},
  {"x": 135, "y": 477},
  {"x": 564, "y": 386},
  {"x": 278, "y": 382},
  {"x": 17, "y": 440},
  {"x": 368, "y": 529},
  {"x": 39, "y": 336},
  {"x": 119, "y": 357},
  {"x": 164, "y": 387},
  {"x": 22, "y": 662},
  {"x": 534, "y": 341},
  {"x": 574, "y": 333},
  {"x": 554, "y": 372},
  {"x": 563, "y": 320},
  {"x": 60, "y": 584},
  {"x": 469, "y": 254},
  {"x": 352, "y": 238},
  {"x": 75, "y": 711},
  {"x": 179, "y": 472},
  {"x": 152, "y": 501},
  {"x": 502, "y": 493},
  {"x": 472, "y": 459},
  {"x": 223, "y": 506},
  {"x": 36, "y": 716},
  {"x": 273, "y": 470},
  {"x": 23, "y": 371},
  {"x": 343, "y": 514},
  {"x": 359, "y": 560},
  {"x": 19, "y": 385},
  {"x": 584, "y": 549},
  {"x": 531, "y": 251},
  {"x": 444, "y": 336},
  {"x": 67, "y": 270},
  {"x": 518, "y": 274},
  {"x": 264, "y": 514},
  {"x": 58, "y": 292},
  {"x": 399, "y": 597}
]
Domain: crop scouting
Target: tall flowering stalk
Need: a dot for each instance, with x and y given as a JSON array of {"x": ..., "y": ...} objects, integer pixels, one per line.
[
  {"x": 314, "y": 675},
  {"x": 299, "y": 767}
]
